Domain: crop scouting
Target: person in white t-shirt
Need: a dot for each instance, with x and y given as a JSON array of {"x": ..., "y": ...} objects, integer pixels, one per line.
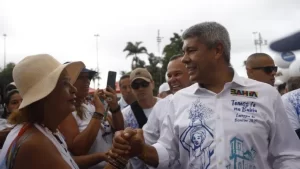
[
  {"x": 126, "y": 91},
  {"x": 142, "y": 86},
  {"x": 86, "y": 131}
]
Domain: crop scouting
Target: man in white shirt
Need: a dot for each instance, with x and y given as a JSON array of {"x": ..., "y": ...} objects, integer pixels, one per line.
[
  {"x": 222, "y": 121},
  {"x": 178, "y": 79},
  {"x": 126, "y": 91},
  {"x": 291, "y": 101}
]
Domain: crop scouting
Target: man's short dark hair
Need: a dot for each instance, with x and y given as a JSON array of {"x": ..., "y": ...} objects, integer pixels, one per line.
[
  {"x": 293, "y": 83},
  {"x": 123, "y": 77},
  {"x": 175, "y": 57}
]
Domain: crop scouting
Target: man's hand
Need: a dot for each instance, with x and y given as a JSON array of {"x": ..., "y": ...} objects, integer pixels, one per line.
[{"x": 128, "y": 143}]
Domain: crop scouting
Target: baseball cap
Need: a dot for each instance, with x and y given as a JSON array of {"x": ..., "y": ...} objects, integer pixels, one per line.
[
  {"x": 287, "y": 44},
  {"x": 164, "y": 88},
  {"x": 140, "y": 73},
  {"x": 91, "y": 73}
]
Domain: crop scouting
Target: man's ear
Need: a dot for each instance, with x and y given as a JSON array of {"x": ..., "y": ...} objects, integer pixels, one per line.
[
  {"x": 219, "y": 50},
  {"x": 249, "y": 72}
]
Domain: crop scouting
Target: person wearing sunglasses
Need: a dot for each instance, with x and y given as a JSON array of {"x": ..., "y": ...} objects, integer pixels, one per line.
[
  {"x": 261, "y": 67},
  {"x": 135, "y": 115}
]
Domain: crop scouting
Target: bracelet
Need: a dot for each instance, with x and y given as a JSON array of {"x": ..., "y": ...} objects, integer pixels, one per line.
[
  {"x": 116, "y": 164},
  {"x": 97, "y": 115},
  {"x": 116, "y": 110}
]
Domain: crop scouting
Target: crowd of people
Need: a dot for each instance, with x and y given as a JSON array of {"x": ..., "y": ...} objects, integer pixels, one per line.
[{"x": 206, "y": 116}]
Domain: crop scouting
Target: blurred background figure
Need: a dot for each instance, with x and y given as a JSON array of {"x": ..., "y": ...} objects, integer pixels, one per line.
[
  {"x": 12, "y": 101},
  {"x": 127, "y": 97},
  {"x": 282, "y": 88},
  {"x": 164, "y": 90}
]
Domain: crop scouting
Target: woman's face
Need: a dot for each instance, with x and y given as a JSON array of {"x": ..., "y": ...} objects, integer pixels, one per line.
[
  {"x": 14, "y": 102},
  {"x": 62, "y": 99},
  {"x": 82, "y": 84},
  {"x": 197, "y": 139}
]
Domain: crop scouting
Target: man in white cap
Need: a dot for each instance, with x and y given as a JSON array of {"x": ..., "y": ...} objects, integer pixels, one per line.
[
  {"x": 222, "y": 121},
  {"x": 163, "y": 90}
]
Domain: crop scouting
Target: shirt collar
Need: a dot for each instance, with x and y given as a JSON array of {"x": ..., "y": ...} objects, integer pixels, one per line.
[{"x": 236, "y": 80}]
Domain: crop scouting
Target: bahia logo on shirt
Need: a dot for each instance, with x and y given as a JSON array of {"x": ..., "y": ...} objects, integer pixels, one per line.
[{"x": 237, "y": 92}]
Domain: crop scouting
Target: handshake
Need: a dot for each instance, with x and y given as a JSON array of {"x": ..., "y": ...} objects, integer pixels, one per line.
[{"x": 126, "y": 144}]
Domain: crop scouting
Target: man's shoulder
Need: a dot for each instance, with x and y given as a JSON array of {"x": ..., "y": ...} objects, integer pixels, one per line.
[
  {"x": 127, "y": 110},
  {"x": 292, "y": 97},
  {"x": 164, "y": 100},
  {"x": 262, "y": 89}
]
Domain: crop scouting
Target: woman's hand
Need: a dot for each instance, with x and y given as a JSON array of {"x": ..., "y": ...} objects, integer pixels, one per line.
[
  {"x": 97, "y": 102},
  {"x": 110, "y": 96}
]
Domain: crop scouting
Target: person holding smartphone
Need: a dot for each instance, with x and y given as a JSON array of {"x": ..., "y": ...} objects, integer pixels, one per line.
[{"x": 86, "y": 130}]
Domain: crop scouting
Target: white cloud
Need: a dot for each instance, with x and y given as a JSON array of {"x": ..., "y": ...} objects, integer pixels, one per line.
[{"x": 65, "y": 29}]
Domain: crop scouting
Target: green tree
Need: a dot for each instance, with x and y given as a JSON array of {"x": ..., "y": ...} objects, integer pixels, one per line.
[
  {"x": 173, "y": 48},
  {"x": 95, "y": 77},
  {"x": 6, "y": 76},
  {"x": 134, "y": 49},
  {"x": 155, "y": 71}
]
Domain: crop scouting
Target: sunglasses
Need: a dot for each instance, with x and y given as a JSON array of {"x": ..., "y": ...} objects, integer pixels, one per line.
[
  {"x": 267, "y": 69},
  {"x": 137, "y": 85}
]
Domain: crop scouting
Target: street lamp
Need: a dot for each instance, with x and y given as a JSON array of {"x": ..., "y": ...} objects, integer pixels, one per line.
[
  {"x": 4, "y": 63},
  {"x": 97, "y": 36},
  {"x": 259, "y": 42}
]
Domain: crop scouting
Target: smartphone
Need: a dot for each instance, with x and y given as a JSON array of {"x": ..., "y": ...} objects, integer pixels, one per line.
[{"x": 111, "y": 79}]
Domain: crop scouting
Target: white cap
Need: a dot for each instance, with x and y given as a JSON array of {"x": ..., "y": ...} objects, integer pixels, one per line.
[{"x": 164, "y": 87}]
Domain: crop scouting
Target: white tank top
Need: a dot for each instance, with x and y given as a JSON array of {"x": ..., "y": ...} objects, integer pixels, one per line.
[
  {"x": 103, "y": 141},
  {"x": 55, "y": 138}
]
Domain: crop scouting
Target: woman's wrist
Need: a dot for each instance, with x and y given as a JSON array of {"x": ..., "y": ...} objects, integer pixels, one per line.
[{"x": 98, "y": 115}]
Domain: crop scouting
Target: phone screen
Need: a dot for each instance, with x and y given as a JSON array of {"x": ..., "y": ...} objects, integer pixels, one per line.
[{"x": 111, "y": 79}]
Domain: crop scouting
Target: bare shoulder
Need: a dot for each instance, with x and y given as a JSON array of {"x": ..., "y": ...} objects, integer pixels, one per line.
[{"x": 37, "y": 151}]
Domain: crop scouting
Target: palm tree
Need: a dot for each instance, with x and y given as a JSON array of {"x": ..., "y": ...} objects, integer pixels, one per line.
[
  {"x": 134, "y": 50},
  {"x": 155, "y": 70},
  {"x": 95, "y": 77}
]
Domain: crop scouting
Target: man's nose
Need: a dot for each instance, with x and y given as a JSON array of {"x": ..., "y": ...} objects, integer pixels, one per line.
[{"x": 185, "y": 59}]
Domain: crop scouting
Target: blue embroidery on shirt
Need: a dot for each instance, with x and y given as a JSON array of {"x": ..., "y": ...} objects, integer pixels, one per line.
[
  {"x": 198, "y": 137},
  {"x": 131, "y": 121},
  {"x": 106, "y": 130},
  {"x": 241, "y": 159},
  {"x": 294, "y": 98}
]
